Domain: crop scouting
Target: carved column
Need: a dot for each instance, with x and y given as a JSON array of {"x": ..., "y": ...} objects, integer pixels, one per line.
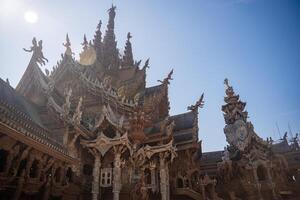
[
  {"x": 152, "y": 171},
  {"x": 29, "y": 164},
  {"x": 96, "y": 176},
  {"x": 164, "y": 177},
  {"x": 117, "y": 175}
]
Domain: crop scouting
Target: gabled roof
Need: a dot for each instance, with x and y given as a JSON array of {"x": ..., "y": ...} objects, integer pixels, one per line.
[
  {"x": 214, "y": 156},
  {"x": 183, "y": 121},
  {"x": 22, "y": 115},
  {"x": 153, "y": 90},
  {"x": 32, "y": 75}
]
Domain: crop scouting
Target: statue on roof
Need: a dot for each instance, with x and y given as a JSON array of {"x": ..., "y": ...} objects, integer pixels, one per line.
[
  {"x": 168, "y": 78},
  {"x": 112, "y": 11},
  {"x": 199, "y": 104},
  {"x": 229, "y": 89},
  {"x": 146, "y": 65},
  {"x": 37, "y": 55}
]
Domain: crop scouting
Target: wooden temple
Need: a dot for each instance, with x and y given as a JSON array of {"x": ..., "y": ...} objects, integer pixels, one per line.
[{"x": 91, "y": 129}]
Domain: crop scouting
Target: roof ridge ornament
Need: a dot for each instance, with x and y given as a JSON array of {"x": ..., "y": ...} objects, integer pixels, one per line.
[
  {"x": 68, "y": 46},
  {"x": 198, "y": 104},
  {"x": 37, "y": 55},
  {"x": 146, "y": 65},
  {"x": 167, "y": 79}
]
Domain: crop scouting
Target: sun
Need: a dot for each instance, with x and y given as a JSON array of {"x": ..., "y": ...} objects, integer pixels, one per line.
[{"x": 31, "y": 17}]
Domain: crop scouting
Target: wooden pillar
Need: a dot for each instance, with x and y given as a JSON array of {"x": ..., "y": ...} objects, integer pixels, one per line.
[
  {"x": 164, "y": 177},
  {"x": 29, "y": 164},
  {"x": 153, "y": 182},
  {"x": 117, "y": 176},
  {"x": 203, "y": 190},
  {"x": 96, "y": 175}
]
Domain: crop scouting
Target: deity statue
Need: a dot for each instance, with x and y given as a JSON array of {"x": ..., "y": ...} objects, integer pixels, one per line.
[{"x": 37, "y": 55}]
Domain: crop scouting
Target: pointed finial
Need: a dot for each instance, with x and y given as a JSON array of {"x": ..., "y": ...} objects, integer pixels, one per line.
[
  {"x": 146, "y": 65},
  {"x": 112, "y": 11},
  {"x": 7, "y": 81},
  {"x": 68, "y": 40},
  {"x": 226, "y": 82},
  {"x": 229, "y": 89},
  {"x": 128, "y": 36},
  {"x": 99, "y": 25},
  {"x": 85, "y": 42}
]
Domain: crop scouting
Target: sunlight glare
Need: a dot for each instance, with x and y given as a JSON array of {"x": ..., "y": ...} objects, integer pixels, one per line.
[{"x": 31, "y": 17}]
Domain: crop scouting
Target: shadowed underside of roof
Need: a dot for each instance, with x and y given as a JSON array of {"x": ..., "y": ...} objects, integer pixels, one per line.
[{"x": 11, "y": 97}]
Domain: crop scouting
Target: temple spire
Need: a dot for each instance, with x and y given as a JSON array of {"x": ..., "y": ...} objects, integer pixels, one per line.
[
  {"x": 110, "y": 51},
  {"x": 128, "y": 56},
  {"x": 97, "y": 42},
  {"x": 85, "y": 43}
]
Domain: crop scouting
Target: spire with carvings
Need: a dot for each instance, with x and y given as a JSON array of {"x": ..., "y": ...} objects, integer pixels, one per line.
[
  {"x": 97, "y": 42},
  {"x": 110, "y": 51},
  {"x": 234, "y": 107},
  {"x": 128, "y": 56}
]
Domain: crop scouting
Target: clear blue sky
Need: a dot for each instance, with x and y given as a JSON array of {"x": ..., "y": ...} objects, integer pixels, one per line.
[{"x": 254, "y": 43}]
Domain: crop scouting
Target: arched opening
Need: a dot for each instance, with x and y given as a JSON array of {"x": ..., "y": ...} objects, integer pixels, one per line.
[
  {"x": 147, "y": 174},
  {"x": 195, "y": 180},
  {"x": 69, "y": 175},
  {"x": 22, "y": 167},
  {"x": 261, "y": 173},
  {"x": 3, "y": 159},
  {"x": 186, "y": 182},
  {"x": 34, "y": 169},
  {"x": 179, "y": 183}
]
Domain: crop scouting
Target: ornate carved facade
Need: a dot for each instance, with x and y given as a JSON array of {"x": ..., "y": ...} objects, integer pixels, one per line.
[{"x": 91, "y": 129}]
